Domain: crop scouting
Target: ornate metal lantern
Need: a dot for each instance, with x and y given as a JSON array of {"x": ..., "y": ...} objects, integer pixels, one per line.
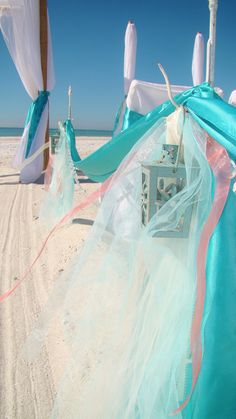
[{"x": 161, "y": 180}]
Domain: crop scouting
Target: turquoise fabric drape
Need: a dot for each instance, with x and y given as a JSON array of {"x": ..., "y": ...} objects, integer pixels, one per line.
[
  {"x": 214, "y": 396},
  {"x": 215, "y": 116},
  {"x": 118, "y": 116},
  {"x": 215, "y": 393},
  {"x": 103, "y": 162},
  {"x": 130, "y": 117},
  {"x": 34, "y": 115},
  {"x": 71, "y": 140},
  {"x": 210, "y": 111}
]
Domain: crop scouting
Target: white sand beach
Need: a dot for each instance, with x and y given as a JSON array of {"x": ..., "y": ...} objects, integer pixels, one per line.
[{"x": 28, "y": 390}]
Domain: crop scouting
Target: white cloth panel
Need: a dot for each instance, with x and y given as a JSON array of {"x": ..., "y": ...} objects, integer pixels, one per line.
[
  {"x": 32, "y": 171},
  {"x": 232, "y": 98},
  {"x": 50, "y": 72},
  {"x": 20, "y": 26},
  {"x": 21, "y": 149},
  {"x": 143, "y": 97},
  {"x": 198, "y": 60},
  {"x": 129, "y": 55}
]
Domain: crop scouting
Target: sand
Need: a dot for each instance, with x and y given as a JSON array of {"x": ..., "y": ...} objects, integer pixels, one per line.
[{"x": 27, "y": 391}]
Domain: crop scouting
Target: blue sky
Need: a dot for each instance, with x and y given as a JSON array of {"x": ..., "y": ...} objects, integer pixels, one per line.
[{"x": 88, "y": 43}]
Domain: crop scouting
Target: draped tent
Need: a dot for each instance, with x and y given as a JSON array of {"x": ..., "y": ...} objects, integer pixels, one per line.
[
  {"x": 20, "y": 26},
  {"x": 198, "y": 71}
]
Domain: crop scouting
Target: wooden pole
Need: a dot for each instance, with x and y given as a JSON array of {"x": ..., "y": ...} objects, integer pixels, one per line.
[{"x": 44, "y": 60}]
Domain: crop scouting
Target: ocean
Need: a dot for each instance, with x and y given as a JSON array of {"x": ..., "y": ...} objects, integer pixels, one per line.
[{"x": 17, "y": 132}]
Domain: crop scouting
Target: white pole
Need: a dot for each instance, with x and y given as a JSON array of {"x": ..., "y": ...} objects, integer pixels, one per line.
[
  {"x": 69, "y": 105},
  {"x": 211, "y": 44}
]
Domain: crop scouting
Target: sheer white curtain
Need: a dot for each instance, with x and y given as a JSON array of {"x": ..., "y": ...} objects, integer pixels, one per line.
[
  {"x": 20, "y": 24},
  {"x": 198, "y": 60}
]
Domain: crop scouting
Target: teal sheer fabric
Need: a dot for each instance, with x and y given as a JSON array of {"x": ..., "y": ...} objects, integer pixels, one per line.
[
  {"x": 34, "y": 115},
  {"x": 71, "y": 140},
  {"x": 125, "y": 294},
  {"x": 207, "y": 108},
  {"x": 59, "y": 197},
  {"x": 217, "y": 378},
  {"x": 214, "y": 394}
]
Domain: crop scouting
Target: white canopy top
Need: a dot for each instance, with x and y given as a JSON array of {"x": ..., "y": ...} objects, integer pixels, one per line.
[{"x": 143, "y": 96}]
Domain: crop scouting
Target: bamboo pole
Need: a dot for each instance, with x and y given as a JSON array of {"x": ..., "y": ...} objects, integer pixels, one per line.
[{"x": 44, "y": 60}]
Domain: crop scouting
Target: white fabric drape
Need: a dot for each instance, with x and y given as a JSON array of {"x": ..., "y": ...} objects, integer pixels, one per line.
[
  {"x": 232, "y": 98},
  {"x": 129, "y": 69},
  {"x": 198, "y": 60},
  {"x": 129, "y": 55},
  {"x": 143, "y": 96},
  {"x": 20, "y": 24}
]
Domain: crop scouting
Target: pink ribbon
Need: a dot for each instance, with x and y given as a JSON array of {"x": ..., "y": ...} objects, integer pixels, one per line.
[{"x": 219, "y": 162}]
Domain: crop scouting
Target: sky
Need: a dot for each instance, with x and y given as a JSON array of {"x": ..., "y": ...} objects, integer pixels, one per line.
[{"x": 88, "y": 49}]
